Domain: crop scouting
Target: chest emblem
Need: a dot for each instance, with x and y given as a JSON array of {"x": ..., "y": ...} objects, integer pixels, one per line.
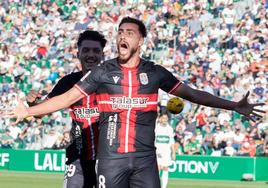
[
  {"x": 143, "y": 78},
  {"x": 116, "y": 78}
]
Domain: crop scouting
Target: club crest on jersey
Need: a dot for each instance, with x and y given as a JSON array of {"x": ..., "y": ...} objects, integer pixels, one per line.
[
  {"x": 116, "y": 78},
  {"x": 144, "y": 78}
]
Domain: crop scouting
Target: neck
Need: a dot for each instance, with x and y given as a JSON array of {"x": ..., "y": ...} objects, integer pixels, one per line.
[{"x": 131, "y": 62}]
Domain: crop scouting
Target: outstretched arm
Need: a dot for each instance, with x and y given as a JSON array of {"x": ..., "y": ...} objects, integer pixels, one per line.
[
  {"x": 46, "y": 107},
  {"x": 207, "y": 99}
]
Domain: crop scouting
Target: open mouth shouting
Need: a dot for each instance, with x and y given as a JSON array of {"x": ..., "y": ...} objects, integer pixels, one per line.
[{"x": 123, "y": 48}]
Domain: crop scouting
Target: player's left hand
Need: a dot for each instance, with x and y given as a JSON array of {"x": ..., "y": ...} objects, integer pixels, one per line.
[{"x": 248, "y": 110}]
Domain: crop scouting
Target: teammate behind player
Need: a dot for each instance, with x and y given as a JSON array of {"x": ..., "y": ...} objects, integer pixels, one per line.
[
  {"x": 127, "y": 92},
  {"x": 81, "y": 153},
  {"x": 165, "y": 148}
]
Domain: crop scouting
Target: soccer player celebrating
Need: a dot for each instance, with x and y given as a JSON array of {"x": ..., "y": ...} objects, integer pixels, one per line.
[
  {"x": 127, "y": 92},
  {"x": 81, "y": 153},
  {"x": 165, "y": 148}
]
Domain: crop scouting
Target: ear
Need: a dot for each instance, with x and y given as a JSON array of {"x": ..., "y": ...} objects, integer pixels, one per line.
[{"x": 141, "y": 41}]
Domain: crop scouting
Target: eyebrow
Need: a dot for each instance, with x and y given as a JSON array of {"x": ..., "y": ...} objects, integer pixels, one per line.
[{"x": 127, "y": 30}]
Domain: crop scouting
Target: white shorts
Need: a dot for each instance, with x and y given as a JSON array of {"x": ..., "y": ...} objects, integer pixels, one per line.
[{"x": 164, "y": 158}]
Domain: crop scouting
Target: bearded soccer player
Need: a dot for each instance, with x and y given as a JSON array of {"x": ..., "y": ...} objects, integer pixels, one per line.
[
  {"x": 127, "y": 92},
  {"x": 82, "y": 151}
]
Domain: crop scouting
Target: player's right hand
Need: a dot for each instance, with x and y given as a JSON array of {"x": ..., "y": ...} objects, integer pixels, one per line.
[
  {"x": 19, "y": 113},
  {"x": 33, "y": 96}
]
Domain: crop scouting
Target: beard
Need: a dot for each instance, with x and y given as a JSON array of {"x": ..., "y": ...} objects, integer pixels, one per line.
[{"x": 123, "y": 59}]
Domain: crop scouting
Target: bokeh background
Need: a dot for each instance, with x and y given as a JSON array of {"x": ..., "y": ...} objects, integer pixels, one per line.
[{"x": 219, "y": 46}]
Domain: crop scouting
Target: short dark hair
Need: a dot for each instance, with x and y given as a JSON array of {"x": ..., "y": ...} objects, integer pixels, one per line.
[
  {"x": 91, "y": 35},
  {"x": 141, "y": 25}
]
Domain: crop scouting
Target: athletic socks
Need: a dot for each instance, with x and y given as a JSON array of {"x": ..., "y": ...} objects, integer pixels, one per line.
[{"x": 164, "y": 179}]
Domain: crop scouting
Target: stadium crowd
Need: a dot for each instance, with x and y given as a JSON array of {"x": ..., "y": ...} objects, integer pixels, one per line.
[{"x": 220, "y": 46}]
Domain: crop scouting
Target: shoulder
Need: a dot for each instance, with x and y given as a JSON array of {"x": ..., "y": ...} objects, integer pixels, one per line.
[
  {"x": 101, "y": 69},
  {"x": 110, "y": 61},
  {"x": 157, "y": 127},
  {"x": 145, "y": 62},
  {"x": 109, "y": 65},
  {"x": 152, "y": 64},
  {"x": 170, "y": 129},
  {"x": 72, "y": 76},
  {"x": 148, "y": 65},
  {"x": 70, "y": 79},
  {"x": 65, "y": 83}
]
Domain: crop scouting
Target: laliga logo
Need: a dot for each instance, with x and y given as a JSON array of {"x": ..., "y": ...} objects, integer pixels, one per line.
[{"x": 49, "y": 161}]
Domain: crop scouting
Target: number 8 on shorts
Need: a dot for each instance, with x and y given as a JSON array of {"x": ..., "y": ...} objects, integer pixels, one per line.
[{"x": 102, "y": 181}]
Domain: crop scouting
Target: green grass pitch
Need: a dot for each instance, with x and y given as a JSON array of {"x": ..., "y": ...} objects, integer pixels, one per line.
[{"x": 14, "y": 179}]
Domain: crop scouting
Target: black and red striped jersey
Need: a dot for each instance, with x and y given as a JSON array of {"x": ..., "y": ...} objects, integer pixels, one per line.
[
  {"x": 85, "y": 117},
  {"x": 127, "y": 101}
]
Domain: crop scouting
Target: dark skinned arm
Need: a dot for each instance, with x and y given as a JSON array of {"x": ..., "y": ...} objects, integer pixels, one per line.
[{"x": 207, "y": 99}]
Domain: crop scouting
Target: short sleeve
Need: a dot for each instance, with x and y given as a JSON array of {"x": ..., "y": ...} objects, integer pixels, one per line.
[
  {"x": 168, "y": 82},
  {"x": 64, "y": 84},
  {"x": 57, "y": 90}
]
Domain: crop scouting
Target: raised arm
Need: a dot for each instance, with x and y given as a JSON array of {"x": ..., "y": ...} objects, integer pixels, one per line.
[
  {"x": 207, "y": 99},
  {"x": 46, "y": 107}
]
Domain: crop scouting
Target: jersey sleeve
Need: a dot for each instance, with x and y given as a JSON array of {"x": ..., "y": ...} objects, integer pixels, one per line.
[
  {"x": 168, "y": 82},
  {"x": 90, "y": 82},
  {"x": 64, "y": 84},
  {"x": 58, "y": 89}
]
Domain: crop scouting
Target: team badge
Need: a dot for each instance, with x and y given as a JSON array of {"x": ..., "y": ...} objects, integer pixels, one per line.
[{"x": 144, "y": 78}]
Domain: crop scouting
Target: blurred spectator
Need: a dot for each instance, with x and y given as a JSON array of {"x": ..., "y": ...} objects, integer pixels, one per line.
[
  {"x": 192, "y": 146},
  {"x": 259, "y": 89},
  {"x": 50, "y": 139},
  {"x": 207, "y": 141},
  {"x": 6, "y": 140},
  {"x": 14, "y": 130},
  {"x": 179, "y": 137},
  {"x": 63, "y": 142},
  {"x": 229, "y": 150},
  {"x": 229, "y": 15},
  {"x": 238, "y": 139},
  {"x": 265, "y": 142},
  {"x": 219, "y": 46},
  {"x": 201, "y": 118},
  {"x": 248, "y": 149}
]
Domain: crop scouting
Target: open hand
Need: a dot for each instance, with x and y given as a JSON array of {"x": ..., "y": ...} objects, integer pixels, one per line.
[
  {"x": 249, "y": 110},
  {"x": 19, "y": 113}
]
